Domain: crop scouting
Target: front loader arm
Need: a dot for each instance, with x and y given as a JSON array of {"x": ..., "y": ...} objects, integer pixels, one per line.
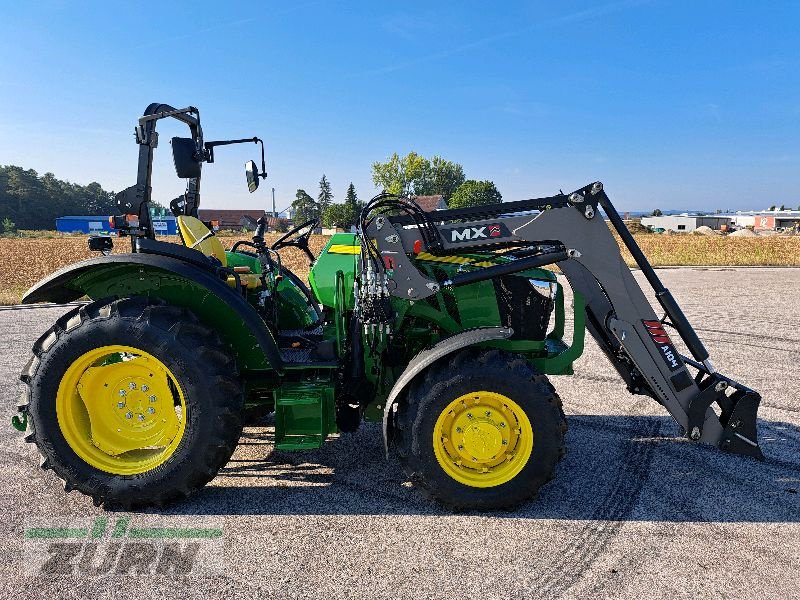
[{"x": 569, "y": 231}]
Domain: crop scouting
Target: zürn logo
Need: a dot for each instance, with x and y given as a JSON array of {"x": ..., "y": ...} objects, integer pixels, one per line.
[{"x": 101, "y": 549}]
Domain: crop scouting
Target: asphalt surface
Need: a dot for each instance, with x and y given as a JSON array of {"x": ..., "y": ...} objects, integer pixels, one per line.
[{"x": 633, "y": 512}]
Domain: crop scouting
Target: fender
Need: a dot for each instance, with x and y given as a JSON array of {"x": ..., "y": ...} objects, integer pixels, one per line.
[
  {"x": 427, "y": 357},
  {"x": 176, "y": 281}
]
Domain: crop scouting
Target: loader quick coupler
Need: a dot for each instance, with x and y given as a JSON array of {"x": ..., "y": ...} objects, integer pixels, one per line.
[{"x": 737, "y": 414}]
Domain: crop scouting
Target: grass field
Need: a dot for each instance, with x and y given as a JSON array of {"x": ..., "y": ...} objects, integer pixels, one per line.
[{"x": 25, "y": 260}]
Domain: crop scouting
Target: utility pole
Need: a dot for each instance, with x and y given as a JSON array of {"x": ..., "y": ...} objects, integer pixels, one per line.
[{"x": 274, "y": 214}]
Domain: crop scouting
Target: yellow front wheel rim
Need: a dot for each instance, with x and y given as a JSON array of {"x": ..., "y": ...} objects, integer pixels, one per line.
[
  {"x": 121, "y": 410},
  {"x": 483, "y": 439}
]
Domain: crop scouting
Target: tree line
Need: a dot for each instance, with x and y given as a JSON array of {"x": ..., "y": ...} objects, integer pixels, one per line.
[
  {"x": 32, "y": 201},
  {"x": 406, "y": 176}
]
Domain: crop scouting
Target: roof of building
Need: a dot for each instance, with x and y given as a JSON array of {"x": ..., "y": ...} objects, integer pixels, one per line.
[
  {"x": 431, "y": 203},
  {"x": 106, "y": 217},
  {"x": 229, "y": 216}
]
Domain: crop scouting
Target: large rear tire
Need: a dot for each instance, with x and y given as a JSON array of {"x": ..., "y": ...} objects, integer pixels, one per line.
[
  {"x": 132, "y": 402},
  {"x": 481, "y": 431}
]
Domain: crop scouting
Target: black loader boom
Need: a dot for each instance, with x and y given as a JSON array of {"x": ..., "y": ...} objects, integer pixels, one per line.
[{"x": 568, "y": 230}]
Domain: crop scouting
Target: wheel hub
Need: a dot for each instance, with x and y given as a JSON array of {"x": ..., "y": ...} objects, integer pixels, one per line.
[
  {"x": 130, "y": 405},
  {"x": 483, "y": 439},
  {"x": 121, "y": 409}
]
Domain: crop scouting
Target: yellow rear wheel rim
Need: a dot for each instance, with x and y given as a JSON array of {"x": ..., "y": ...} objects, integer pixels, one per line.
[
  {"x": 121, "y": 410},
  {"x": 483, "y": 439}
]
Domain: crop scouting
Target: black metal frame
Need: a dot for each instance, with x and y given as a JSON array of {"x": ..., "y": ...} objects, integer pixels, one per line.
[{"x": 136, "y": 199}]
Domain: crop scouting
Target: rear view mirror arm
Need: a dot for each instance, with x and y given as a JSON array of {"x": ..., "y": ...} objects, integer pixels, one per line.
[{"x": 209, "y": 146}]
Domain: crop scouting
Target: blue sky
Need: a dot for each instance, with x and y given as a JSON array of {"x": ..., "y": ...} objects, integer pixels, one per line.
[{"x": 670, "y": 104}]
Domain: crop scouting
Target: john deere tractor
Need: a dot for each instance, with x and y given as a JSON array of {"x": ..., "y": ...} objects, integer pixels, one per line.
[{"x": 441, "y": 326}]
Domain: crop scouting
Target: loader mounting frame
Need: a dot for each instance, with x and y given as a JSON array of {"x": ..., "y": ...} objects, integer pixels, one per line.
[{"x": 568, "y": 230}]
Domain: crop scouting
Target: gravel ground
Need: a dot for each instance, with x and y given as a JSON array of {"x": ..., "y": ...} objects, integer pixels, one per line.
[{"x": 632, "y": 512}]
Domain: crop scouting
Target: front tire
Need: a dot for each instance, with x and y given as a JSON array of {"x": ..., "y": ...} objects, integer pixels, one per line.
[
  {"x": 133, "y": 402},
  {"x": 482, "y": 431}
]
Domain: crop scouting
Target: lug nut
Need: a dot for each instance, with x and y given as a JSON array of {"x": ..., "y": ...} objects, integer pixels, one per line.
[
  {"x": 140, "y": 417},
  {"x": 129, "y": 415},
  {"x": 123, "y": 393},
  {"x": 460, "y": 446},
  {"x": 488, "y": 413},
  {"x": 505, "y": 442},
  {"x": 151, "y": 410},
  {"x": 121, "y": 404},
  {"x": 145, "y": 387},
  {"x": 502, "y": 424},
  {"x": 469, "y": 415},
  {"x": 132, "y": 385},
  {"x": 459, "y": 430},
  {"x": 152, "y": 398}
]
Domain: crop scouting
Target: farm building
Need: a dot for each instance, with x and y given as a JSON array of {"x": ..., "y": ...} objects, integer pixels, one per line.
[
  {"x": 431, "y": 203},
  {"x": 231, "y": 218},
  {"x": 688, "y": 222},
  {"x": 99, "y": 224},
  {"x": 778, "y": 220}
]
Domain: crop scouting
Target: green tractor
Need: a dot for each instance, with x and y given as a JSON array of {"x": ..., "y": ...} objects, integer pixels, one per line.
[{"x": 441, "y": 326}]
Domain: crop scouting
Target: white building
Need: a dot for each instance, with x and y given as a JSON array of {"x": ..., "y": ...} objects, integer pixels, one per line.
[{"x": 687, "y": 222}]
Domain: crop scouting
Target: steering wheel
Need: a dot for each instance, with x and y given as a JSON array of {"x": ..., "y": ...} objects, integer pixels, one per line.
[{"x": 301, "y": 241}]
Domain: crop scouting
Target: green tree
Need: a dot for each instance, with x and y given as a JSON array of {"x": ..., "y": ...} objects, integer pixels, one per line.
[
  {"x": 9, "y": 227},
  {"x": 351, "y": 198},
  {"x": 443, "y": 177},
  {"x": 401, "y": 176},
  {"x": 413, "y": 174},
  {"x": 281, "y": 225},
  {"x": 325, "y": 196},
  {"x": 338, "y": 215},
  {"x": 34, "y": 202},
  {"x": 475, "y": 193},
  {"x": 305, "y": 207},
  {"x": 656, "y": 213}
]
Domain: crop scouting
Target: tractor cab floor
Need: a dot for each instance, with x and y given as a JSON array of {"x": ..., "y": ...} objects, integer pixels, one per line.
[{"x": 306, "y": 348}]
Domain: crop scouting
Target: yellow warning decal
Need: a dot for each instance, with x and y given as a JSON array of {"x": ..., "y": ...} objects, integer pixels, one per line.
[
  {"x": 456, "y": 260},
  {"x": 344, "y": 249}
]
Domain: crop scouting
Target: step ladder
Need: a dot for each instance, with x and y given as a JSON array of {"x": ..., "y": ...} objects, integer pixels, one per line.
[{"x": 304, "y": 415}]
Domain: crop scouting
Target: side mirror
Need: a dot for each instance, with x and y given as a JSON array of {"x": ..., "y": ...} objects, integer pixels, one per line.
[
  {"x": 251, "y": 171},
  {"x": 183, "y": 155}
]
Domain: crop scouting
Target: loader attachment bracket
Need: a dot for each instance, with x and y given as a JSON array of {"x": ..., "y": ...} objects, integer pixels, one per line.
[{"x": 738, "y": 412}]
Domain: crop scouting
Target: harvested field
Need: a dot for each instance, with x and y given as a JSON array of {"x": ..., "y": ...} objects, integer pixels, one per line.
[
  {"x": 719, "y": 250},
  {"x": 23, "y": 261},
  {"x": 26, "y": 260}
]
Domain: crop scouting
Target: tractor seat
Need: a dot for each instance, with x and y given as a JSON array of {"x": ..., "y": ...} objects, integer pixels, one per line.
[{"x": 197, "y": 236}]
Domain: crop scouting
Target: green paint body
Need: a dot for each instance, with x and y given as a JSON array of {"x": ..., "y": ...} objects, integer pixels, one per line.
[{"x": 304, "y": 397}]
